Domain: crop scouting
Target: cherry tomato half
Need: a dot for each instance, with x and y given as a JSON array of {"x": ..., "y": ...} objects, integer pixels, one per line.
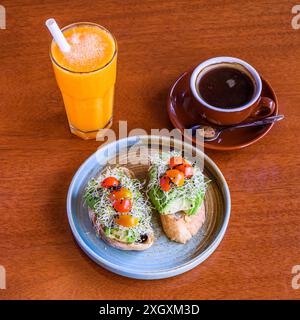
[
  {"x": 126, "y": 220},
  {"x": 187, "y": 170},
  {"x": 176, "y": 176},
  {"x": 165, "y": 183},
  {"x": 175, "y": 161},
  {"x": 122, "y": 205},
  {"x": 110, "y": 182},
  {"x": 123, "y": 193}
]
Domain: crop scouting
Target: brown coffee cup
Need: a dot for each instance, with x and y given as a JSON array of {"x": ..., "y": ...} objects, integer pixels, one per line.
[{"x": 257, "y": 108}]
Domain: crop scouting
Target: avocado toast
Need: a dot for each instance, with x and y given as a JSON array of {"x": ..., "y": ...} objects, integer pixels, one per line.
[
  {"x": 177, "y": 188},
  {"x": 119, "y": 212}
]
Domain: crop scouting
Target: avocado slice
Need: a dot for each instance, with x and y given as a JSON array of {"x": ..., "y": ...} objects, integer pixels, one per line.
[
  {"x": 119, "y": 235},
  {"x": 90, "y": 201},
  {"x": 197, "y": 204},
  {"x": 178, "y": 204},
  {"x": 155, "y": 194}
]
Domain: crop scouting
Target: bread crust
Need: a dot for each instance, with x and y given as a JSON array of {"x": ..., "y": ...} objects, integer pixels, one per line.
[
  {"x": 137, "y": 246},
  {"x": 181, "y": 227}
]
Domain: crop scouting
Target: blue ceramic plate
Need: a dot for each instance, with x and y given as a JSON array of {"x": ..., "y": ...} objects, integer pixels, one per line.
[{"x": 165, "y": 258}]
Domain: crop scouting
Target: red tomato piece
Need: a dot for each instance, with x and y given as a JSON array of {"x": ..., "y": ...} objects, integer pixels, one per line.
[
  {"x": 165, "y": 183},
  {"x": 110, "y": 182},
  {"x": 187, "y": 170},
  {"x": 122, "y": 205},
  {"x": 176, "y": 176},
  {"x": 175, "y": 161}
]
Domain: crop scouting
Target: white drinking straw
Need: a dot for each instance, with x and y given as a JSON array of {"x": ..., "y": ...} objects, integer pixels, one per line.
[{"x": 58, "y": 35}]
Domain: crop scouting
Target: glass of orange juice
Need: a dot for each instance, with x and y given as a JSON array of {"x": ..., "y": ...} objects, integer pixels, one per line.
[{"x": 86, "y": 76}]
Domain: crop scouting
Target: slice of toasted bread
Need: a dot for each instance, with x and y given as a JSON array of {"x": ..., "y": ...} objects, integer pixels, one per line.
[
  {"x": 118, "y": 244},
  {"x": 138, "y": 246},
  {"x": 181, "y": 227}
]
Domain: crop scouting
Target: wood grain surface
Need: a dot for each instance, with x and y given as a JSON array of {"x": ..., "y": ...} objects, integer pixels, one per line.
[{"x": 157, "y": 41}]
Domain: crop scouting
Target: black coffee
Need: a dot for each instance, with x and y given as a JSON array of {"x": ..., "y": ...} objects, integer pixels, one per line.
[{"x": 226, "y": 87}]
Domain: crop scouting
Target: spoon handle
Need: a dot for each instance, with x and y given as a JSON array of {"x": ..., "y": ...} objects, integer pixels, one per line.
[{"x": 257, "y": 123}]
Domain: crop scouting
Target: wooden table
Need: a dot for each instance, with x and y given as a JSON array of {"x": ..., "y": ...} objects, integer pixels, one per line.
[{"x": 157, "y": 41}]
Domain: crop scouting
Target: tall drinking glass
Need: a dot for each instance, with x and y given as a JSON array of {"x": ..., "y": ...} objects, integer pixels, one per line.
[{"x": 86, "y": 77}]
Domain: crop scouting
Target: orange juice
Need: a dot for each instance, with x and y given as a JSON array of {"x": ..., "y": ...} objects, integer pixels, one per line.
[{"x": 86, "y": 77}]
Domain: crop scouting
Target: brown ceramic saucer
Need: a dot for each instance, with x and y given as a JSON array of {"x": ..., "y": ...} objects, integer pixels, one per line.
[{"x": 181, "y": 109}]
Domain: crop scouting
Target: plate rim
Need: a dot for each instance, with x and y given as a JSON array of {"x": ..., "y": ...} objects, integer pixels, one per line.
[{"x": 148, "y": 275}]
